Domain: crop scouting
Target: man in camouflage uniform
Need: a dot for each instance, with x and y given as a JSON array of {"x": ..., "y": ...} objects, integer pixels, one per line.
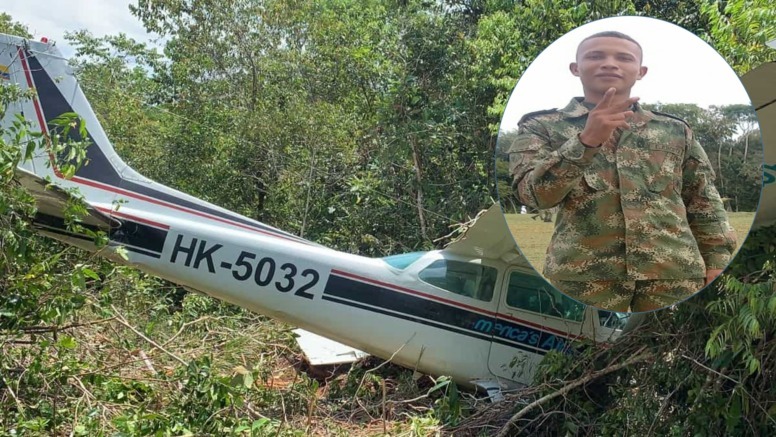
[{"x": 640, "y": 225}]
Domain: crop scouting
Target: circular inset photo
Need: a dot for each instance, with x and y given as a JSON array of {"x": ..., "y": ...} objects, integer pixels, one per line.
[{"x": 635, "y": 161}]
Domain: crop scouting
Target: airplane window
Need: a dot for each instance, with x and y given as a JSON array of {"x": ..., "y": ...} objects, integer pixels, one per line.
[
  {"x": 402, "y": 261},
  {"x": 532, "y": 293},
  {"x": 467, "y": 279},
  {"x": 613, "y": 320}
]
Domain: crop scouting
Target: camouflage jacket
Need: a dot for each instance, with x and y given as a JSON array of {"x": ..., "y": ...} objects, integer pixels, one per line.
[{"x": 642, "y": 206}]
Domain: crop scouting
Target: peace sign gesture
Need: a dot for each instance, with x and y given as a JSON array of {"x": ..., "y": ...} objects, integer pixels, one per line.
[{"x": 605, "y": 118}]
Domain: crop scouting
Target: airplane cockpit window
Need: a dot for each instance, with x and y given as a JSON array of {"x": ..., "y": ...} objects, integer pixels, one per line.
[
  {"x": 609, "y": 319},
  {"x": 402, "y": 261},
  {"x": 467, "y": 279},
  {"x": 533, "y": 293}
]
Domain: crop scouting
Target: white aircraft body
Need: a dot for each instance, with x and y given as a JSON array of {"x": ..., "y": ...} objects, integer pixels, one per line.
[
  {"x": 475, "y": 311},
  {"x": 760, "y": 83}
]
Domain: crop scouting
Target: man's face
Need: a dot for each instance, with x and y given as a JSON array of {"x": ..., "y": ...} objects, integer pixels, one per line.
[{"x": 606, "y": 62}]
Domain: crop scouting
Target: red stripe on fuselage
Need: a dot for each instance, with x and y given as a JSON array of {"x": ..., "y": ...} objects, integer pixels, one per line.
[
  {"x": 454, "y": 303},
  {"x": 116, "y": 190}
]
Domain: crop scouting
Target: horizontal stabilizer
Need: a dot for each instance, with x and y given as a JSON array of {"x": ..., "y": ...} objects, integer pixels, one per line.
[
  {"x": 51, "y": 200},
  {"x": 491, "y": 387},
  {"x": 321, "y": 351},
  {"x": 488, "y": 237}
]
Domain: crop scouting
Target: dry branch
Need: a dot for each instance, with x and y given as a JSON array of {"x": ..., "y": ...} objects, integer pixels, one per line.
[
  {"x": 571, "y": 386},
  {"x": 123, "y": 321}
]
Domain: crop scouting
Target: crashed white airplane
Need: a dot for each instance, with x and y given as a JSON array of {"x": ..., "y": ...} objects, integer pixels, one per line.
[{"x": 475, "y": 311}]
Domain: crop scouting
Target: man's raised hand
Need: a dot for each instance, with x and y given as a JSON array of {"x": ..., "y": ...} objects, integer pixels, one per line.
[{"x": 607, "y": 116}]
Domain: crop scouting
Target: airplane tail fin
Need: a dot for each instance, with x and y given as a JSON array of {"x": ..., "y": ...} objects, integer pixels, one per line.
[
  {"x": 53, "y": 104},
  {"x": 40, "y": 91},
  {"x": 38, "y": 69},
  {"x": 57, "y": 107}
]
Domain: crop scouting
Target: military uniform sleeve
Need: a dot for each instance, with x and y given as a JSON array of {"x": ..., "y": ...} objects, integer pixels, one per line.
[
  {"x": 705, "y": 211},
  {"x": 542, "y": 174}
]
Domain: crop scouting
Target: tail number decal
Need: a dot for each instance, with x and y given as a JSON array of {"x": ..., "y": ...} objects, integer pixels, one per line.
[{"x": 265, "y": 271}]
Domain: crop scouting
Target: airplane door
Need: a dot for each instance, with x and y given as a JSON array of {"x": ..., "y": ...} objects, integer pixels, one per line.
[{"x": 533, "y": 318}]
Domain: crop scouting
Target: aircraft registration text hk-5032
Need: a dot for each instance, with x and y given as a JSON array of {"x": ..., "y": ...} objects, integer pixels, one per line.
[{"x": 264, "y": 271}]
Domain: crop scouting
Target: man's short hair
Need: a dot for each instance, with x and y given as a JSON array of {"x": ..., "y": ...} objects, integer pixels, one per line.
[{"x": 612, "y": 34}]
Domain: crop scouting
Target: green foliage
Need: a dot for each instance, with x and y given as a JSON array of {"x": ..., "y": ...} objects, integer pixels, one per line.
[
  {"x": 40, "y": 285},
  {"x": 747, "y": 308},
  {"x": 332, "y": 115},
  {"x": 7, "y": 25},
  {"x": 739, "y": 30},
  {"x": 44, "y": 285},
  {"x": 201, "y": 404},
  {"x": 114, "y": 74},
  {"x": 448, "y": 409},
  {"x": 712, "y": 360}
]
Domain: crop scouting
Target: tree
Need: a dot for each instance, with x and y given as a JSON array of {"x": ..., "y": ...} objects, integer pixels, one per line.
[
  {"x": 7, "y": 25},
  {"x": 746, "y": 122},
  {"x": 114, "y": 72},
  {"x": 740, "y": 29}
]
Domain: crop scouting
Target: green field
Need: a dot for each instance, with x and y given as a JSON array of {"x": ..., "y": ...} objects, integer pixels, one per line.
[{"x": 533, "y": 236}]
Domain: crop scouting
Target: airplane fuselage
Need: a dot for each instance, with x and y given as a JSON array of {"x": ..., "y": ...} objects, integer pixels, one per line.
[{"x": 363, "y": 302}]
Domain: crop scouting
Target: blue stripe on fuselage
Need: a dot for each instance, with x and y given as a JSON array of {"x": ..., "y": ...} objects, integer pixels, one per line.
[{"x": 444, "y": 316}]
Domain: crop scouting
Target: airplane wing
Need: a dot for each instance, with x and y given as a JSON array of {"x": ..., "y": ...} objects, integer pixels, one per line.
[
  {"x": 489, "y": 237},
  {"x": 322, "y": 351},
  {"x": 759, "y": 83}
]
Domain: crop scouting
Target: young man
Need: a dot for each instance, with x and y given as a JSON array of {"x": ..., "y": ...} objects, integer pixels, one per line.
[{"x": 640, "y": 225}]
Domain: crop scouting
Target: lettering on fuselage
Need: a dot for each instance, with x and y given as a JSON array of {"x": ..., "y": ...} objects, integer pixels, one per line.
[
  {"x": 198, "y": 254},
  {"x": 521, "y": 334},
  {"x": 769, "y": 175},
  {"x": 203, "y": 252}
]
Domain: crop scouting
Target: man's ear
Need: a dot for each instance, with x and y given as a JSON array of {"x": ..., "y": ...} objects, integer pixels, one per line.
[
  {"x": 642, "y": 71},
  {"x": 574, "y": 69}
]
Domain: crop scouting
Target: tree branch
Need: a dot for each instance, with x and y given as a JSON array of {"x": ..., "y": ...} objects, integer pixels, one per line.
[
  {"x": 123, "y": 321},
  {"x": 568, "y": 387}
]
